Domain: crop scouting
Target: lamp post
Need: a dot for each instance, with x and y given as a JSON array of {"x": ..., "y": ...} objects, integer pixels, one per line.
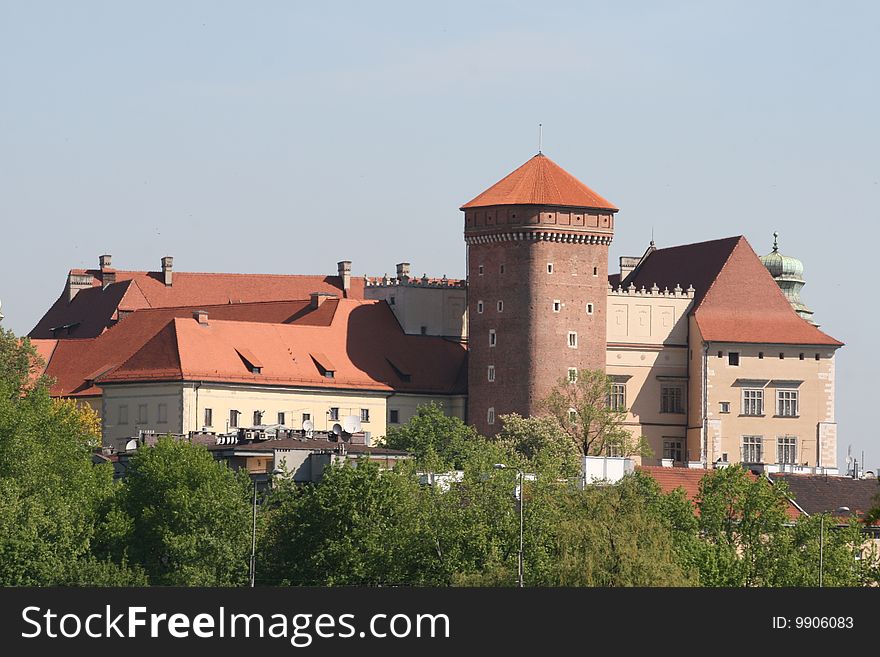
[
  {"x": 276, "y": 471},
  {"x": 522, "y": 500},
  {"x": 841, "y": 510}
]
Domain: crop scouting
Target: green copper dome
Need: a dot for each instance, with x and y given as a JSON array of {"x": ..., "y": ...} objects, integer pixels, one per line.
[{"x": 789, "y": 275}]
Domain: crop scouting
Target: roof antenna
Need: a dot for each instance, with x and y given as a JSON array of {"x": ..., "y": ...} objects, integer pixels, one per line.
[
  {"x": 540, "y": 136},
  {"x": 652, "y": 236}
]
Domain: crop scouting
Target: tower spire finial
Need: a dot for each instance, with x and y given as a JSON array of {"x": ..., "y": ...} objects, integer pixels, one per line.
[
  {"x": 775, "y": 241},
  {"x": 540, "y": 136}
]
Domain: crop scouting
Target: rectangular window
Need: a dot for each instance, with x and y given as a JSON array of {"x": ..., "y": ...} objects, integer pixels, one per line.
[
  {"x": 572, "y": 375},
  {"x": 733, "y": 358},
  {"x": 672, "y": 449},
  {"x": 572, "y": 339},
  {"x": 391, "y": 300},
  {"x": 725, "y": 407},
  {"x": 258, "y": 418},
  {"x": 123, "y": 414},
  {"x": 306, "y": 417},
  {"x": 549, "y": 267},
  {"x": 617, "y": 398},
  {"x": 490, "y": 373},
  {"x": 281, "y": 418},
  {"x": 365, "y": 415},
  {"x": 393, "y": 416},
  {"x": 492, "y": 338},
  {"x": 163, "y": 414},
  {"x": 572, "y": 416},
  {"x": 480, "y": 270},
  {"x": 490, "y": 415},
  {"x": 233, "y": 419},
  {"x": 786, "y": 450},
  {"x": 502, "y": 269},
  {"x": 595, "y": 271},
  {"x": 613, "y": 450},
  {"x": 781, "y": 355},
  {"x": 142, "y": 414},
  {"x": 500, "y": 306},
  {"x": 787, "y": 403},
  {"x": 671, "y": 399},
  {"x": 801, "y": 356},
  {"x": 760, "y": 355},
  {"x": 753, "y": 402},
  {"x": 209, "y": 417},
  {"x": 424, "y": 330},
  {"x": 753, "y": 449},
  {"x": 817, "y": 356},
  {"x": 479, "y": 306},
  {"x": 334, "y": 412},
  {"x": 557, "y": 305},
  {"x": 589, "y": 309}
]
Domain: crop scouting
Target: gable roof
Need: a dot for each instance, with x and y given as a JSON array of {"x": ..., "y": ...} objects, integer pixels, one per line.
[
  {"x": 821, "y": 494},
  {"x": 95, "y": 309},
  {"x": 540, "y": 181},
  {"x": 735, "y": 297},
  {"x": 358, "y": 344}
]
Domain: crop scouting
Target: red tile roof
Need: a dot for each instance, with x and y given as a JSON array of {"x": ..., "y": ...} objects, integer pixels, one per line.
[
  {"x": 72, "y": 362},
  {"x": 735, "y": 299},
  {"x": 95, "y": 309},
  {"x": 361, "y": 340},
  {"x": 688, "y": 479},
  {"x": 540, "y": 181}
]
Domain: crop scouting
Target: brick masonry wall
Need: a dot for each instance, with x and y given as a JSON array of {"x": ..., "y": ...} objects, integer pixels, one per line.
[{"x": 531, "y": 352}]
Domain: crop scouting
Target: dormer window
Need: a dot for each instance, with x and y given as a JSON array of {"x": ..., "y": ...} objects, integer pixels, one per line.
[
  {"x": 325, "y": 367},
  {"x": 250, "y": 361}
]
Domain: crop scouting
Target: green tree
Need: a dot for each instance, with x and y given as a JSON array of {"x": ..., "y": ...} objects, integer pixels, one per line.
[
  {"x": 359, "y": 526},
  {"x": 52, "y": 498},
  {"x": 185, "y": 517},
  {"x": 583, "y": 410},
  {"x": 434, "y": 438},
  {"x": 541, "y": 441}
]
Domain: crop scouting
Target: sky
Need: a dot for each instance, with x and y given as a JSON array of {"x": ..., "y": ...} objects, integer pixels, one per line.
[{"x": 281, "y": 137}]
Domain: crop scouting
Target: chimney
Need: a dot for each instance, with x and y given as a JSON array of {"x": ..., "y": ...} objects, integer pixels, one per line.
[
  {"x": 403, "y": 272},
  {"x": 201, "y": 316},
  {"x": 343, "y": 268},
  {"x": 105, "y": 261},
  {"x": 167, "y": 266},
  {"x": 627, "y": 264},
  {"x": 108, "y": 274},
  {"x": 77, "y": 282},
  {"x": 320, "y": 297}
]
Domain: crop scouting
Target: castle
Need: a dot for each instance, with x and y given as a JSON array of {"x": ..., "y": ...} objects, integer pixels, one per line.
[{"x": 709, "y": 347}]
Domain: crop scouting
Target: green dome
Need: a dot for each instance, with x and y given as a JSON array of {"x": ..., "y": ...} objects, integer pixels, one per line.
[{"x": 789, "y": 275}]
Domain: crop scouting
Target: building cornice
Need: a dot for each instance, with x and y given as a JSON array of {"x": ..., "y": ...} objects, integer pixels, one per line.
[{"x": 539, "y": 235}]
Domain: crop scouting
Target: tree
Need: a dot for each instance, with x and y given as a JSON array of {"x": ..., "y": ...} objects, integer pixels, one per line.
[
  {"x": 359, "y": 526},
  {"x": 52, "y": 498},
  {"x": 434, "y": 438},
  {"x": 542, "y": 441},
  {"x": 583, "y": 410},
  {"x": 185, "y": 517}
]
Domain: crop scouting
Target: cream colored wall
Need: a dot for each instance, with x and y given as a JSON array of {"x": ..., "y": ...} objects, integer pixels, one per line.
[
  {"x": 695, "y": 393},
  {"x": 441, "y": 310},
  {"x": 647, "y": 346},
  {"x": 133, "y": 396},
  {"x": 186, "y": 404},
  {"x": 815, "y": 401},
  {"x": 407, "y": 405}
]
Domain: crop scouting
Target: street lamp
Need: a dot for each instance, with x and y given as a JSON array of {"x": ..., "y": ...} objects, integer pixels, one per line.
[
  {"x": 276, "y": 471},
  {"x": 841, "y": 510},
  {"x": 522, "y": 500}
]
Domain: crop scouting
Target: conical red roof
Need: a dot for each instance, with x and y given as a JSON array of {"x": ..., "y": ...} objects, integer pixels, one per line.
[{"x": 540, "y": 181}]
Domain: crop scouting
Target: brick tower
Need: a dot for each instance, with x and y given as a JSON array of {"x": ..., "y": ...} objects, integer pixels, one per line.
[{"x": 537, "y": 287}]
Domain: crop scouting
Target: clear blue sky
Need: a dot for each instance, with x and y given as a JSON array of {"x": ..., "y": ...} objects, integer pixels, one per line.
[{"x": 282, "y": 137}]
